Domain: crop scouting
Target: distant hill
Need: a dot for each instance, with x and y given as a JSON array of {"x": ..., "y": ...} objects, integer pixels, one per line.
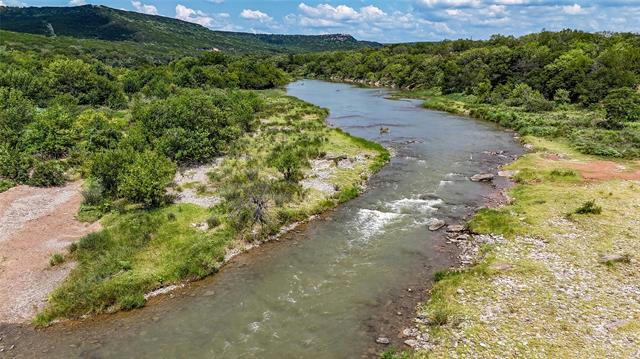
[{"x": 104, "y": 23}]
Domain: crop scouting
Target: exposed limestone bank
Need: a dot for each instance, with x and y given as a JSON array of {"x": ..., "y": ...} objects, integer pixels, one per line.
[{"x": 553, "y": 280}]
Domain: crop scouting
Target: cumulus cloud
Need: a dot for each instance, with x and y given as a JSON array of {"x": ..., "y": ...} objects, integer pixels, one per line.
[
  {"x": 341, "y": 13},
  {"x": 574, "y": 9},
  {"x": 195, "y": 16},
  {"x": 326, "y": 11},
  {"x": 77, "y": 3},
  {"x": 255, "y": 15},
  {"x": 144, "y": 8}
]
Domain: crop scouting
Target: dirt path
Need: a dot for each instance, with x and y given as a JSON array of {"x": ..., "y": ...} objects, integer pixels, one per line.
[
  {"x": 35, "y": 223},
  {"x": 605, "y": 170}
]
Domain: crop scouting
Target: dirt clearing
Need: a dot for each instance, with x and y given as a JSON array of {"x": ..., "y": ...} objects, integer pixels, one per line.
[{"x": 35, "y": 223}]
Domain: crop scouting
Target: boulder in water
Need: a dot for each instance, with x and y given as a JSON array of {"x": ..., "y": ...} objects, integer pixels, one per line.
[
  {"x": 455, "y": 228},
  {"x": 482, "y": 177},
  {"x": 436, "y": 224}
]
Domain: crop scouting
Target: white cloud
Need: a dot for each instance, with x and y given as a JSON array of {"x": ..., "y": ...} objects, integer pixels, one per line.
[
  {"x": 511, "y": 2},
  {"x": 451, "y": 3},
  {"x": 216, "y": 1},
  {"x": 574, "y": 9},
  {"x": 77, "y": 3},
  {"x": 455, "y": 12},
  {"x": 255, "y": 15},
  {"x": 372, "y": 12},
  {"x": 340, "y": 12},
  {"x": 144, "y": 8},
  {"x": 195, "y": 16}
]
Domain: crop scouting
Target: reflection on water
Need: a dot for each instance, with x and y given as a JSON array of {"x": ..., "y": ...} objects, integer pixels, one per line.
[{"x": 309, "y": 296}]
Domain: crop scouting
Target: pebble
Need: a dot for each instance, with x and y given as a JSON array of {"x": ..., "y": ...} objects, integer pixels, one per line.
[{"x": 382, "y": 340}]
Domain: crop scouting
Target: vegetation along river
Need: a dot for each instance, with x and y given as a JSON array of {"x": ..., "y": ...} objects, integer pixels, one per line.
[{"x": 325, "y": 290}]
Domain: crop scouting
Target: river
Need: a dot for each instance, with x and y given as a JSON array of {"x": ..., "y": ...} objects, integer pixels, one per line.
[{"x": 326, "y": 290}]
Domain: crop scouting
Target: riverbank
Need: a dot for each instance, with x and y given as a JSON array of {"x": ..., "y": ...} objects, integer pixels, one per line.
[
  {"x": 141, "y": 251},
  {"x": 561, "y": 281},
  {"x": 551, "y": 273}
]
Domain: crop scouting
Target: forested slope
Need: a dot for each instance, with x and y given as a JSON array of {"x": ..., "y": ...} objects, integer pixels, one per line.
[{"x": 172, "y": 35}]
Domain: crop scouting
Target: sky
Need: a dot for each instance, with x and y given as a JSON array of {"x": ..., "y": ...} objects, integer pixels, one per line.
[{"x": 386, "y": 21}]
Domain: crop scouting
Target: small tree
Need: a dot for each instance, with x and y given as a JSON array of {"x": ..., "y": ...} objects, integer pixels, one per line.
[
  {"x": 146, "y": 179},
  {"x": 248, "y": 197},
  {"x": 562, "y": 96},
  {"x": 623, "y": 105},
  {"x": 289, "y": 160}
]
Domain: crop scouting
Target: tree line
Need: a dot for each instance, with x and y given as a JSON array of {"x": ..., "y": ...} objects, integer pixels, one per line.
[{"x": 566, "y": 66}]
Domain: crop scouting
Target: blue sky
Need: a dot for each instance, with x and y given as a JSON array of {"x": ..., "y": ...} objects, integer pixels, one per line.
[{"x": 386, "y": 21}]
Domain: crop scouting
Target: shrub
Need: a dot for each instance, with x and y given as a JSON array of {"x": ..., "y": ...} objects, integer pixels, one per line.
[
  {"x": 47, "y": 174},
  {"x": 51, "y": 134},
  {"x": 131, "y": 301},
  {"x": 94, "y": 242},
  {"x": 213, "y": 222},
  {"x": 107, "y": 166},
  {"x": 56, "y": 259},
  {"x": 6, "y": 184},
  {"x": 145, "y": 179},
  {"x": 14, "y": 164},
  {"x": 532, "y": 100},
  {"x": 622, "y": 105},
  {"x": 93, "y": 193},
  {"x": 562, "y": 96},
  {"x": 16, "y": 112},
  {"x": 289, "y": 161},
  {"x": 589, "y": 207}
]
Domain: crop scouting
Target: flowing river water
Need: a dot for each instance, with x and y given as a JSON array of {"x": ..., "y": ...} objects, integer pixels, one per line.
[{"x": 328, "y": 289}]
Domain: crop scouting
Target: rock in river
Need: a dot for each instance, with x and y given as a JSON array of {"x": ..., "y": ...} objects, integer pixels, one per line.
[
  {"x": 382, "y": 340},
  {"x": 436, "y": 224},
  {"x": 482, "y": 177},
  {"x": 455, "y": 228}
]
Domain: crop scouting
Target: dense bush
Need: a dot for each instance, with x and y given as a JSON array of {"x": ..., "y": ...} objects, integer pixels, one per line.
[
  {"x": 196, "y": 125},
  {"x": 47, "y": 174},
  {"x": 51, "y": 134},
  {"x": 146, "y": 178},
  {"x": 621, "y": 105},
  {"x": 289, "y": 161},
  {"x": 107, "y": 167}
]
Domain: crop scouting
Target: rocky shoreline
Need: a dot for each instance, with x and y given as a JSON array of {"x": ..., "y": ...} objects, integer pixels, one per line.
[{"x": 402, "y": 328}]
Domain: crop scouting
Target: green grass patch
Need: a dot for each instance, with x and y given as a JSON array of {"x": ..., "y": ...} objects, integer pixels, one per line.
[
  {"x": 495, "y": 221},
  {"x": 6, "y": 184}
]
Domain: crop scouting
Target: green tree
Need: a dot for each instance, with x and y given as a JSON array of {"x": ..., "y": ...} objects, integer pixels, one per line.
[
  {"x": 146, "y": 178},
  {"x": 621, "y": 105}
]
